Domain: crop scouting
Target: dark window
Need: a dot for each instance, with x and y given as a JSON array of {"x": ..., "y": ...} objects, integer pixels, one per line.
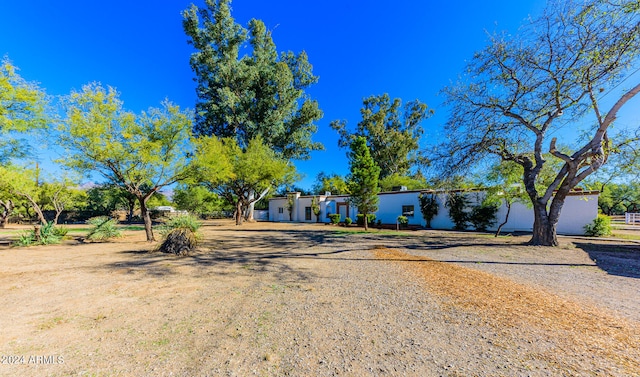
[
  {"x": 407, "y": 211},
  {"x": 280, "y": 210},
  {"x": 307, "y": 213}
]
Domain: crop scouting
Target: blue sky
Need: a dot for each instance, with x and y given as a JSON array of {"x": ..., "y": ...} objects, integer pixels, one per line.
[{"x": 407, "y": 48}]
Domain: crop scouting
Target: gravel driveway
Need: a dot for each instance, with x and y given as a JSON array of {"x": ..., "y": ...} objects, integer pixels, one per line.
[{"x": 311, "y": 300}]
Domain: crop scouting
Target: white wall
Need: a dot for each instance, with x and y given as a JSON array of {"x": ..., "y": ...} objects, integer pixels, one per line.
[
  {"x": 390, "y": 207},
  {"x": 578, "y": 211}
]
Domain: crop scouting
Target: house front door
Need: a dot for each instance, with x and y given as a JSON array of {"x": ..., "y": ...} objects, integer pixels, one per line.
[{"x": 343, "y": 210}]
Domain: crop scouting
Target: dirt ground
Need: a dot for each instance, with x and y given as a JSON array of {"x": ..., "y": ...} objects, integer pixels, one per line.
[{"x": 270, "y": 299}]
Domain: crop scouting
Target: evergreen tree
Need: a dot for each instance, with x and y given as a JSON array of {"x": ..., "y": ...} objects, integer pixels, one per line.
[
  {"x": 362, "y": 182},
  {"x": 261, "y": 94}
]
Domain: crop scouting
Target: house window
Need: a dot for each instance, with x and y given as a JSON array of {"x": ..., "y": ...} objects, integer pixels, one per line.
[
  {"x": 307, "y": 213},
  {"x": 280, "y": 209},
  {"x": 407, "y": 211}
]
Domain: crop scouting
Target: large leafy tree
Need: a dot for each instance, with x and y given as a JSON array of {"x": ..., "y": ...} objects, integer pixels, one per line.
[
  {"x": 234, "y": 173},
  {"x": 260, "y": 94},
  {"x": 392, "y": 132},
  {"x": 139, "y": 153},
  {"x": 548, "y": 80},
  {"x": 22, "y": 183},
  {"x": 22, "y": 107},
  {"x": 362, "y": 182}
]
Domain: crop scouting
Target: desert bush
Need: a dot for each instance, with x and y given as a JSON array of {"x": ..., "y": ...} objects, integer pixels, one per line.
[
  {"x": 457, "y": 203},
  {"x": 601, "y": 226},
  {"x": 104, "y": 228},
  {"x": 429, "y": 207},
  {"x": 179, "y": 241},
  {"x": 371, "y": 218},
  {"x": 403, "y": 220},
  {"x": 335, "y": 218},
  {"x": 483, "y": 216},
  {"x": 41, "y": 235},
  {"x": 181, "y": 222},
  {"x": 347, "y": 221},
  {"x": 180, "y": 235}
]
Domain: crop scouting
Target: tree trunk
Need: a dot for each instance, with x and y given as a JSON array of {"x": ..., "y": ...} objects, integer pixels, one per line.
[
  {"x": 146, "y": 216},
  {"x": 239, "y": 216},
  {"x": 132, "y": 207},
  {"x": 506, "y": 217},
  {"x": 366, "y": 222},
  {"x": 7, "y": 208},
  {"x": 544, "y": 229}
]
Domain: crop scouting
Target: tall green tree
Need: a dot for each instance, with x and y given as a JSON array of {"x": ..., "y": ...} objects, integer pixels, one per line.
[
  {"x": 139, "y": 153},
  {"x": 519, "y": 92},
  {"x": 22, "y": 108},
  {"x": 233, "y": 173},
  {"x": 362, "y": 182},
  {"x": 392, "y": 132},
  {"x": 259, "y": 94}
]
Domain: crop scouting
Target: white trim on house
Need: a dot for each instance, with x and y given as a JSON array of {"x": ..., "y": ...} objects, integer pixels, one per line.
[{"x": 580, "y": 208}]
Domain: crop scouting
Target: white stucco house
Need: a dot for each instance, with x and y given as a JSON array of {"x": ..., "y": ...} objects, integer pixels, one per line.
[{"x": 580, "y": 208}]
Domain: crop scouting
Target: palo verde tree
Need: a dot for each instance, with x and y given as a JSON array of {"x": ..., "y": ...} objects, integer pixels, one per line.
[
  {"x": 552, "y": 78},
  {"x": 139, "y": 153},
  {"x": 22, "y": 108},
  {"x": 392, "y": 132},
  {"x": 22, "y": 183},
  {"x": 233, "y": 173},
  {"x": 362, "y": 182}
]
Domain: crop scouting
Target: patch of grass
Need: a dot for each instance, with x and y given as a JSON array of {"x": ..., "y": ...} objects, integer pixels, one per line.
[
  {"x": 626, "y": 236},
  {"x": 381, "y": 232},
  {"x": 131, "y": 227}
]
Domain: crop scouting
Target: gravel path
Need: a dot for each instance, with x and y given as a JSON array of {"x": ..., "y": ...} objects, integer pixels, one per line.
[{"x": 273, "y": 300}]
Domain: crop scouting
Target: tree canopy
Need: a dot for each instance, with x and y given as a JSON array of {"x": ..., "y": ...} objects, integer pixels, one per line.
[
  {"x": 22, "y": 107},
  {"x": 392, "y": 132},
  {"x": 261, "y": 94},
  {"x": 557, "y": 75},
  {"x": 139, "y": 153},
  {"x": 233, "y": 173}
]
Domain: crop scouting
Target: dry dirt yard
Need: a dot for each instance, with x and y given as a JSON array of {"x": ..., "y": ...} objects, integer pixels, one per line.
[{"x": 271, "y": 299}]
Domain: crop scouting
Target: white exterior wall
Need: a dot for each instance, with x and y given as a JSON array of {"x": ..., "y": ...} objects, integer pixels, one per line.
[
  {"x": 390, "y": 207},
  {"x": 578, "y": 211},
  {"x": 274, "y": 214}
]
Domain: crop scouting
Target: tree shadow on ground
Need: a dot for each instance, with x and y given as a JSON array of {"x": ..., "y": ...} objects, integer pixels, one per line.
[
  {"x": 621, "y": 259},
  {"x": 251, "y": 251}
]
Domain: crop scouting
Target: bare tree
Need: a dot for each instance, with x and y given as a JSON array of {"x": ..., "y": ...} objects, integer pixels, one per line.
[{"x": 550, "y": 79}]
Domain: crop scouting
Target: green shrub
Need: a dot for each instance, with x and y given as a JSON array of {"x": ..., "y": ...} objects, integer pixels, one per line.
[
  {"x": 483, "y": 216},
  {"x": 46, "y": 235},
  {"x": 371, "y": 218},
  {"x": 429, "y": 207},
  {"x": 457, "y": 203},
  {"x": 347, "y": 221},
  {"x": 403, "y": 220},
  {"x": 27, "y": 238},
  {"x": 181, "y": 222},
  {"x": 601, "y": 226},
  {"x": 104, "y": 228},
  {"x": 335, "y": 218}
]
